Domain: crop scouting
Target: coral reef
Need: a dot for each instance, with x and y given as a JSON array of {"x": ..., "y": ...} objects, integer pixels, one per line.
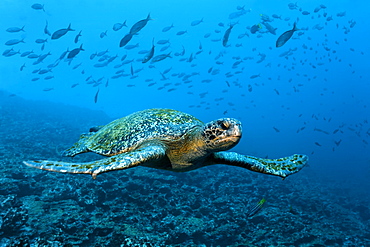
[{"x": 148, "y": 207}]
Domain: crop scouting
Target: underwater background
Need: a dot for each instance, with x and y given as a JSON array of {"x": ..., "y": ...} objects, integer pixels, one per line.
[{"x": 310, "y": 95}]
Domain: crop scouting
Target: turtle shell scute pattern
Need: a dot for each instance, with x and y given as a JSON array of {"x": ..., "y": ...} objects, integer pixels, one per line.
[{"x": 129, "y": 132}]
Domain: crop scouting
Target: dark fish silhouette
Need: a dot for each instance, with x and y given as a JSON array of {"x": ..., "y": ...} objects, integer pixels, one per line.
[
  {"x": 74, "y": 52},
  {"x": 77, "y": 37},
  {"x": 286, "y": 36},
  {"x": 96, "y": 96},
  {"x": 61, "y": 32},
  {"x": 124, "y": 41},
  {"x": 149, "y": 55},
  {"x": 46, "y": 31},
  {"x": 226, "y": 35},
  {"x": 118, "y": 26},
  {"x": 38, "y": 6},
  {"x": 139, "y": 25}
]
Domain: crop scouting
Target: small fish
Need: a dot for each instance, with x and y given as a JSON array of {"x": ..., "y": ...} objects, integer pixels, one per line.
[
  {"x": 26, "y": 53},
  {"x": 320, "y": 130},
  {"x": 165, "y": 48},
  {"x": 38, "y": 6},
  {"x": 22, "y": 67},
  {"x": 140, "y": 25},
  {"x": 46, "y": 31},
  {"x": 41, "y": 41},
  {"x": 15, "y": 29},
  {"x": 130, "y": 47},
  {"x": 163, "y": 41},
  {"x": 286, "y": 36},
  {"x": 166, "y": 29},
  {"x": 63, "y": 54},
  {"x": 61, "y": 32},
  {"x": 318, "y": 144},
  {"x": 96, "y": 96},
  {"x": 196, "y": 22},
  {"x": 338, "y": 142},
  {"x": 160, "y": 57},
  {"x": 254, "y": 210},
  {"x": 225, "y": 39},
  {"x": 44, "y": 71},
  {"x": 14, "y": 41},
  {"x": 149, "y": 55},
  {"x": 276, "y": 129},
  {"x": 181, "y": 32},
  {"x": 12, "y": 53},
  {"x": 118, "y": 26},
  {"x": 32, "y": 56},
  {"x": 254, "y": 76},
  {"x": 238, "y": 13},
  {"x": 103, "y": 34},
  {"x": 293, "y": 6},
  {"x": 7, "y": 51},
  {"x": 74, "y": 52},
  {"x": 269, "y": 28},
  {"x": 255, "y": 28},
  {"x": 124, "y": 41},
  {"x": 78, "y": 36}
]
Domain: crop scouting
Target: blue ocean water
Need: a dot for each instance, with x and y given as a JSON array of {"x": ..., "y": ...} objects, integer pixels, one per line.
[{"x": 308, "y": 96}]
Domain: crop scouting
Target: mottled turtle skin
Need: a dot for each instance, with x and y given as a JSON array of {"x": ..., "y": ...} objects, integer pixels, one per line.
[{"x": 167, "y": 139}]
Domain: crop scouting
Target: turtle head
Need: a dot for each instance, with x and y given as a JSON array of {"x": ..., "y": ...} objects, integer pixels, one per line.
[{"x": 222, "y": 134}]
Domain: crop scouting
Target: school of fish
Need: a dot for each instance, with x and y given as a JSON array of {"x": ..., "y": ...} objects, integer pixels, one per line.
[{"x": 285, "y": 31}]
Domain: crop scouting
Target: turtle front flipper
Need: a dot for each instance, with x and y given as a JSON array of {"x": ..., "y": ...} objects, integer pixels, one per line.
[
  {"x": 282, "y": 167},
  {"x": 117, "y": 162}
]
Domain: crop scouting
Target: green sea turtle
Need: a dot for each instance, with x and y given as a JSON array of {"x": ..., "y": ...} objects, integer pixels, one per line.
[{"x": 167, "y": 139}]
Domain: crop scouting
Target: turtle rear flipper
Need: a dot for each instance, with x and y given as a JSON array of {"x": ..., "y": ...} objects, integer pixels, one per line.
[
  {"x": 79, "y": 147},
  {"x": 117, "y": 162},
  {"x": 282, "y": 167}
]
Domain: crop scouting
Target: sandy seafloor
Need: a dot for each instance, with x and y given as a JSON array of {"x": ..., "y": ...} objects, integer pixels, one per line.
[{"x": 148, "y": 207}]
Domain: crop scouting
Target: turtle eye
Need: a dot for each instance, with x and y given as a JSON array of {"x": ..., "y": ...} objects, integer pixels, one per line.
[{"x": 225, "y": 125}]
